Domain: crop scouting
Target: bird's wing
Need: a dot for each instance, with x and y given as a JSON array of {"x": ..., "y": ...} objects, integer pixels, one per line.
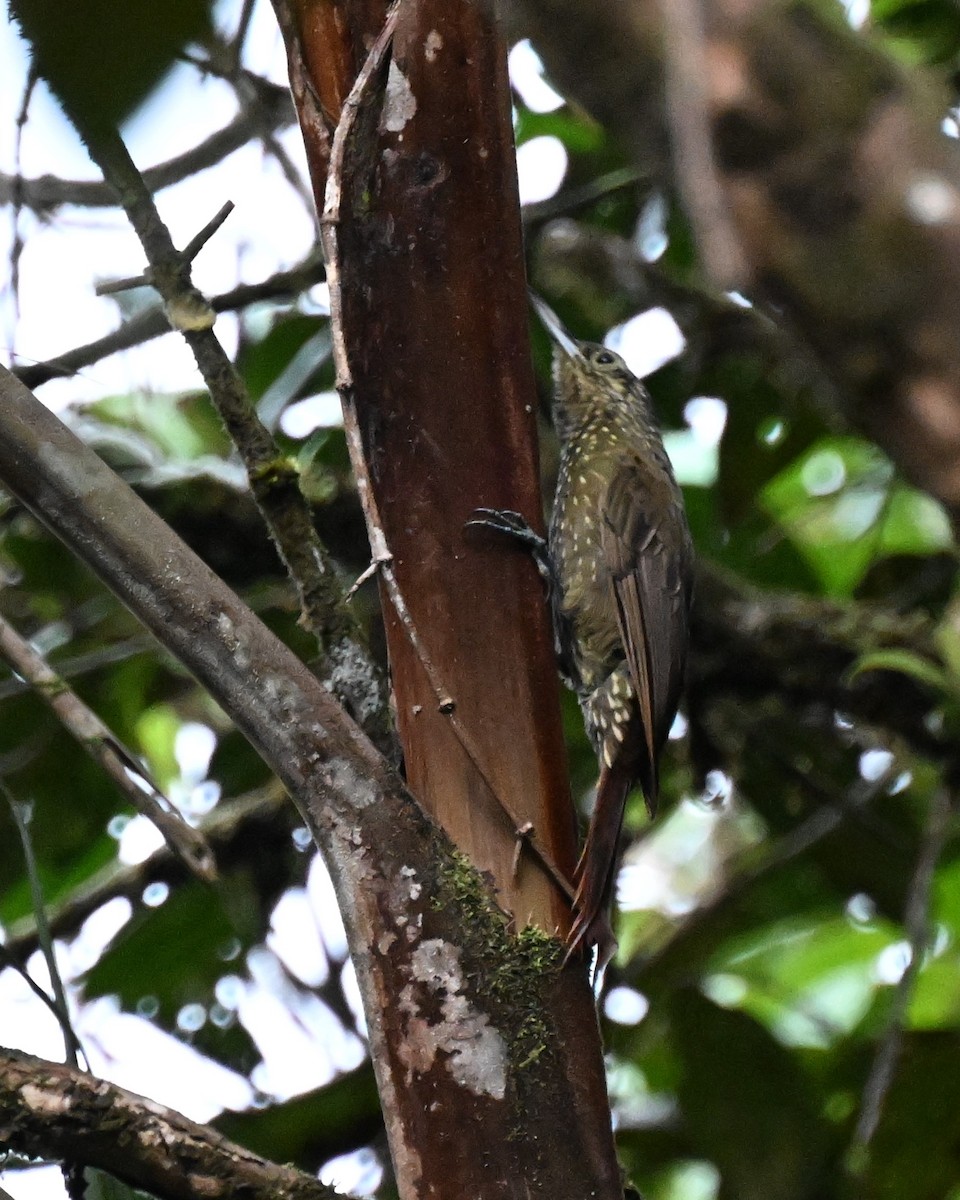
[{"x": 646, "y": 549}]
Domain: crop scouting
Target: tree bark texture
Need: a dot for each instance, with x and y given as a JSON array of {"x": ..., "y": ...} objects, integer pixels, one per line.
[
  {"x": 425, "y": 262},
  {"x": 51, "y": 1110},
  {"x": 471, "y": 1028},
  {"x": 434, "y": 318},
  {"x": 841, "y": 191}
]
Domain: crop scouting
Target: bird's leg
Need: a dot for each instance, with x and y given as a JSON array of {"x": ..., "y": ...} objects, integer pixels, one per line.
[{"x": 514, "y": 525}]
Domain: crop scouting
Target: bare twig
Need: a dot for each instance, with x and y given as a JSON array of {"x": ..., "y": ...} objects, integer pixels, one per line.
[
  {"x": 188, "y": 254},
  {"x": 270, "y": 110},
  {"x": 56, "y": 1112},
  {"x": 199, "y": 240},
  {"x": 21, "y": 814},
  {"x": 262, "y": 818},
  {"x": 382, "y": 558},
  {"x": 347, "y": 667},
  {"x": 917, "y": 926},
  {"x": 100, "y": 743},
  {"x": 153, "y": 323},
  {"x": 8, "y": 959},
  {"x": 16, "y": 249}
]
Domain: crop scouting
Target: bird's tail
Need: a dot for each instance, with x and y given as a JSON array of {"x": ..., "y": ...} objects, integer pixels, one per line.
[{"x": 596, "y": 871}]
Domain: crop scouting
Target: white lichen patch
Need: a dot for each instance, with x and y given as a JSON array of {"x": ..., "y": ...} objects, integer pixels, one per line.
[
  {"x": 44, "y": 1101},
  {"x": 230, "y": 636},
  {"x": 432, "y": 46},
  {"x": 343, "y": 778},
  {"x": 344, "y": 843},
  {"x": 474, "y": 1052},
  {"x": 207, "y": 1185},
  {"x": 399, "y": 104}
]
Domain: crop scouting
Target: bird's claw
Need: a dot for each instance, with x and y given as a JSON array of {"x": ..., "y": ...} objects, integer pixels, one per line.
[
  {"x": 514, "y": 525},
  {"x": 506, "y": 521}
]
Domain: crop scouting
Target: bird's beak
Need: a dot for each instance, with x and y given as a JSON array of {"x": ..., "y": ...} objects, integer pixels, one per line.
[{"x": 553, "y": 326}]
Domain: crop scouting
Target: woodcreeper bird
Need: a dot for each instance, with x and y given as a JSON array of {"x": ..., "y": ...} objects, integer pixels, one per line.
[{"x": 618, "y": 563}]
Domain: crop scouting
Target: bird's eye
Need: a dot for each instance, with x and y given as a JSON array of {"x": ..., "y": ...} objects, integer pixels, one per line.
[{"x": 605, "y": 358}]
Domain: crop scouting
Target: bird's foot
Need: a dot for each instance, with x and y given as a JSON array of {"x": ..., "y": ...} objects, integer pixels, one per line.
[{"x": 514, "y": 525}]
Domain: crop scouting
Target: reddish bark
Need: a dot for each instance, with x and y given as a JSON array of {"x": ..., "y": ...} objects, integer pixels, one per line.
[{"x": 427, "y": 280}]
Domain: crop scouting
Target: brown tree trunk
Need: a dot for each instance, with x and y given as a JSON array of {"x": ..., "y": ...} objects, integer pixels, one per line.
[{"x": 414, "y": 173}]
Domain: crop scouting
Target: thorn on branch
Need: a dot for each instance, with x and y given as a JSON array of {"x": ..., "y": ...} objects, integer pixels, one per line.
[{"x": 523, "y": 834}]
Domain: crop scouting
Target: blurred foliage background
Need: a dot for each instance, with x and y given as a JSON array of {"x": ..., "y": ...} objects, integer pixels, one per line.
[{"x": 791, "y": 922}]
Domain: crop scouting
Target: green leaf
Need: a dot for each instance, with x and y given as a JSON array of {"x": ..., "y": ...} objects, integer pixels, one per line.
[
  {"x": 748, "y": 1107},
  {"x": 935, "y": 1003},
  {"x": 914, "y": 523},
  {"x": 176, "y": 427},
  {"x": 904, "y": 662},
  {"x": 920, "y": 31},
  {"x": 170, "y": 952},
  {"x": 578, "y": 133},
  {"x": 808, "y": 978},
  {"x": 103, "y": 57},
  {"x": 262, "y": 362},
  {"x": 156, "y": 731},
  {"x": 830, "y": 501},
  {"x": 310, "y": 1129}
]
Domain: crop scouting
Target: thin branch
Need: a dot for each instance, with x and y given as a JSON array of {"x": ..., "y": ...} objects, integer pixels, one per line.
[
  {"x": 262, "y": 818},
  {"x": 526, "y": 835},
  {"x": 268, "y": 109},
  {"x": 153, "y": 322},
  {"x": 16, "y": 249},
  {"x": 917, "y": 926},
  {"x": 568, "y": 200},
  {"x": 53, "y": 1111},
  {"x": 347, "y": 667},
  {"x": 9, "y": 960},
  {"x": 104, "y": 747},
  {"x": 21, "y": 814}
]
